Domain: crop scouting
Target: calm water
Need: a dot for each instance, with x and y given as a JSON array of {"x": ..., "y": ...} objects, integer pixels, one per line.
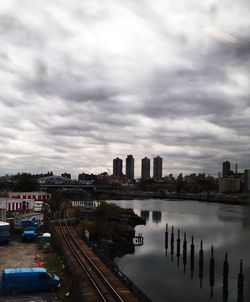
[{"x": 226, "y": 227}]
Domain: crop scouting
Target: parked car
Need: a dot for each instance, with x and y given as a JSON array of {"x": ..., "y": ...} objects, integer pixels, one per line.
[{"x": 15, "y": 280}]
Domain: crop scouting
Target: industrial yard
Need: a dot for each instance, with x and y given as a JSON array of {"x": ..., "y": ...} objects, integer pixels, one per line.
[{"x": 28, "y": 254}]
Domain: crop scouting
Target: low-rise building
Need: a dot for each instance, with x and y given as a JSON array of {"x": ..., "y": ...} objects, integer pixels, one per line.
[
  {"x": 231, "y": 184},
  {"x": 247, "y": 180},
  {"x": 17, "y": 204},
  {"x": 30, "y": 195},
  {"x": 66, "y": 175}
]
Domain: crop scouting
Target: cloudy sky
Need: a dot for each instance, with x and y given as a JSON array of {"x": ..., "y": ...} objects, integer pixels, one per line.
[{"x": 85, "y": 81}]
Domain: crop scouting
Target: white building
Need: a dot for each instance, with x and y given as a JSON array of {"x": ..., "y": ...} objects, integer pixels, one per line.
[
  {"x": 247, "y": 180},
  {"x": 17, "y": 204}
]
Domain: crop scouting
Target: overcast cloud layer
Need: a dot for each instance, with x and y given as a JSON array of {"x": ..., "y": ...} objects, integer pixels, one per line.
[{"x": 85, "y": 81}]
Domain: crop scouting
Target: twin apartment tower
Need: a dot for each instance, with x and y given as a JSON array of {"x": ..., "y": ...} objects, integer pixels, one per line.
[{"x": 145, "y": 168}]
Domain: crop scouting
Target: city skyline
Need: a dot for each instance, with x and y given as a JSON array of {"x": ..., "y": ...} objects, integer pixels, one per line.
[
  {"x": 155, "y": 173},
  {"x": 119, "y": 170},
  {"x": 157, "y": 168},
  {"x": 130, "y": 167},
  {"x": 145, "y": 168},
  {"x": 83, "y": 82}
]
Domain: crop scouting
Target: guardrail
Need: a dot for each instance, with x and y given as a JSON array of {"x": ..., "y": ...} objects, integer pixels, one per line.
[{"x": 115, "y": 269}]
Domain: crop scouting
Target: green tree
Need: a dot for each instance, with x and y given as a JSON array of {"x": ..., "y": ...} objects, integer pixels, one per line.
[
  {"x": 26, "y": 182},
  {"x": 56, "y": 200}
]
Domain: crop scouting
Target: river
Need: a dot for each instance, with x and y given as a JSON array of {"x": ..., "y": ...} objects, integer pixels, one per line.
[{"x": 226, "y": 227}]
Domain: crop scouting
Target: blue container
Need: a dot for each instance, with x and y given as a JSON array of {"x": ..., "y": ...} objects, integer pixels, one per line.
[
  {"x": 29, "y": 229},
  {"x": 4, "y": 232}
]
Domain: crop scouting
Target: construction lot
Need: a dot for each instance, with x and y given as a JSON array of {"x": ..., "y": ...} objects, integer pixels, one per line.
[{"x": 26, "y": 254}]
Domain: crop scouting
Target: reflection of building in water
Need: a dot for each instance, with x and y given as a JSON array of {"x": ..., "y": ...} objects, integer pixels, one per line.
[
  {"x": 156, "y": 216},
  {"x": 245, "y": 218},
  {"x": 145, "y": 215},
  {"x": 242, "y": 217}
]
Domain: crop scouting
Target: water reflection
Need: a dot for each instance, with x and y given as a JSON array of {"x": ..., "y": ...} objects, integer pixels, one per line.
[
  {"x": 211, "y": 271},
  {"x": 160, "y": 278},
  {"x": 184, "y": 253},
  {"x": 201, "y": 258},
  {"x": 240, "y": 296},
  {"x": 192, "y": 258},
  {"x": 178, "y": 249},
  {"x": 240, "y": 292},
  {"x": 225, "y": 279},
  {"x": 156, "y": 216},
  {"x": 172, "y": 244},
  {"x": 145, "y": 215}
]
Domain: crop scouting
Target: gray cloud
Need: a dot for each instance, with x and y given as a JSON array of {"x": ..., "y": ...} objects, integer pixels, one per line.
[{"x": 83, "y": 83}]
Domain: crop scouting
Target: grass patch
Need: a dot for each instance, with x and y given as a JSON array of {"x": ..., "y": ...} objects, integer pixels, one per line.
[
  {"x": 69, "y": 282},
  {"x": 54, "y": 265}
]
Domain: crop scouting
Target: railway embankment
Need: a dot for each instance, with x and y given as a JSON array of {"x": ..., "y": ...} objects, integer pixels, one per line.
[
  {"x": 94, "y": 260},
  {"x": 80, "y": 289}
]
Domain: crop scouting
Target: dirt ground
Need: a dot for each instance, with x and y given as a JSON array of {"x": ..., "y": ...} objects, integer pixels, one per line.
[
  {"x": 21, "y": 254},
  {"x": 18, "y": 254}
]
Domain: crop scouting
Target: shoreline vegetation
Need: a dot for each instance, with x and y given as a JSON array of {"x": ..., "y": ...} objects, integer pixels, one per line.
[
  {"x": 110, "y": 228},
  {"x": 240, "y": 199}
]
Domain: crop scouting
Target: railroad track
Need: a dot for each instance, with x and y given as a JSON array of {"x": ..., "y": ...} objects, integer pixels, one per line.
[{"x": 103, "y": 287}]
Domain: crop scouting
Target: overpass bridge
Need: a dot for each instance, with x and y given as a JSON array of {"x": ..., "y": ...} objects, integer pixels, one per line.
[{"x": 58, "y": 182}]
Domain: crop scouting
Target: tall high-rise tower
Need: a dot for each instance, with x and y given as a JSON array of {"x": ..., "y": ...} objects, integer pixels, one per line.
[
  {"x": 117, "y": 167},
  {"x": 226, "y": 168},
  {"x": 158, "y": 168},
  {"x": 145, "y": 168},
  {"x": 130, "y": 167}
]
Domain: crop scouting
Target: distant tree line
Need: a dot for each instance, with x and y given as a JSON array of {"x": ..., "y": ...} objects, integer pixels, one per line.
[{"x": 24, "y": 182}]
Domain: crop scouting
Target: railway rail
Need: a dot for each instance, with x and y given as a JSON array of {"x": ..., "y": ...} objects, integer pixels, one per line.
[{"x": 105, "y": 290}]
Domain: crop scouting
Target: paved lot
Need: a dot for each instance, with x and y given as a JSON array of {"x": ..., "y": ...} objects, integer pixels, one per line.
[
  {"x": 18, "y": 254},
  {"x": 21, "y": 254}
]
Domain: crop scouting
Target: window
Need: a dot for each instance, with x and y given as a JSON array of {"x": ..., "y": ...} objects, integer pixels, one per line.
[{"x": 44, "y": 276}]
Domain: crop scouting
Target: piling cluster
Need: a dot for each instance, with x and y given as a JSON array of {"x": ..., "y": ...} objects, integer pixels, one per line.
[{"x": 240, "y": 283}]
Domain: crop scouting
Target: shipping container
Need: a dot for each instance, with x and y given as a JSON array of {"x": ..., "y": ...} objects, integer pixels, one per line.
[{"x": 4, "y": 232}]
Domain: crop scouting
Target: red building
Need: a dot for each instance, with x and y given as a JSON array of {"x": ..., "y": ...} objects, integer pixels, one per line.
[{"x": 30, "y": 195}]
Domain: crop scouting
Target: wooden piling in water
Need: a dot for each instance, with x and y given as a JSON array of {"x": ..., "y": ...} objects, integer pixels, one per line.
[
  {"x": 192, "y": 258},
  {"x": 166, "y": 237},
  {"x": 240, "y": 297},
  {"x": 178, "y": 248},
  {"x": 211, "y": 271},
  {"x": 184, "y": 254},
  {"x": 172, "y": 243},
  {"x": 201, "y": 263}
]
